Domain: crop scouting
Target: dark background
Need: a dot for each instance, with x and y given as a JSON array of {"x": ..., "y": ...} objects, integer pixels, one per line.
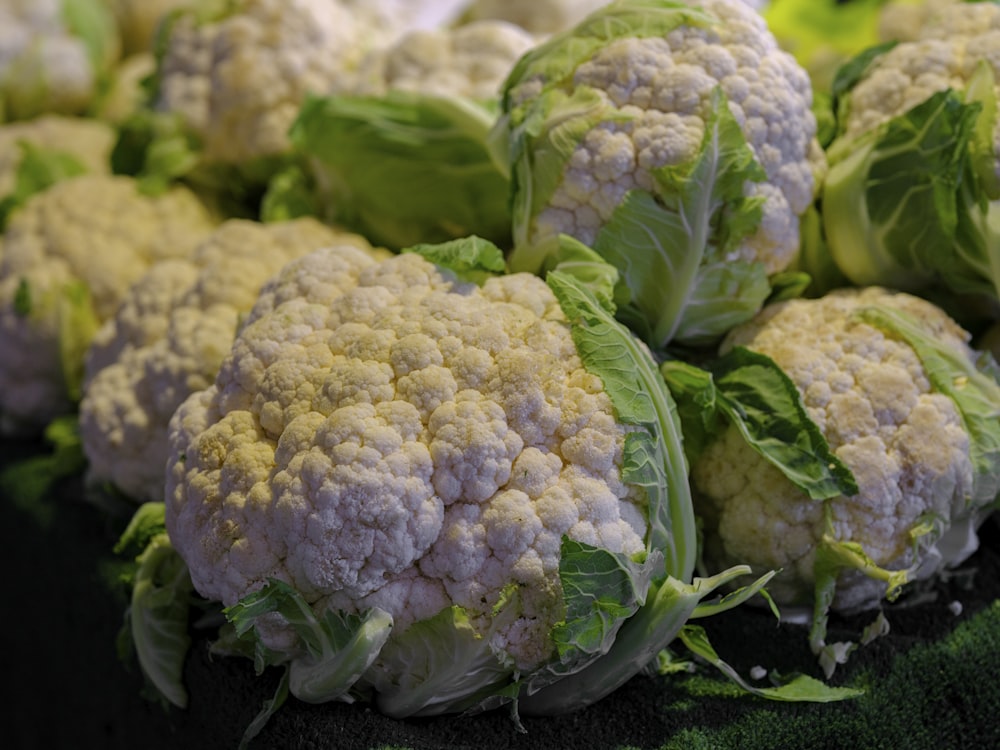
[{"x": 932, "y": 682}]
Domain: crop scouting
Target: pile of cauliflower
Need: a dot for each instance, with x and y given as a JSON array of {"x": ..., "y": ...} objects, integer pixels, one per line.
[{"x": 416, "y": 445}]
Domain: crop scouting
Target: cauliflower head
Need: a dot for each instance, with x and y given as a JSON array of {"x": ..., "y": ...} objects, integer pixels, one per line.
[
  {"x": 384, "y": 436},
  {"x": 471, "y": 60},
  {"x": 874, "y": 398},
  {"x": 53, "y": 54},
  {"x": 653, "y": 93},
  {"x": 917, "y": 155},
  {"x": 678, "y": 141},
  {"x": 88, "y": 141},
  {"x": 238, "y": 80},
  {"x": 168, "y": 339},
  {"x": 68, "y": 257},
  {"x": 951, "y": 43}
]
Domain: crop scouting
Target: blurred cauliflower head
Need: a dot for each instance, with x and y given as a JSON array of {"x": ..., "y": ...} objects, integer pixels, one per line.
[
  {"x": 53, "y": 55},
  {"x": 887, "y": 415},
  {"x": 382, "y": 436},
  {"x": 237, "y": 79},
  {"x": 952, "y": 42},
  {"x": 168, "y": 339},
  {"x": 69, "y": 256},
  {"x": 470, "y": 60}
]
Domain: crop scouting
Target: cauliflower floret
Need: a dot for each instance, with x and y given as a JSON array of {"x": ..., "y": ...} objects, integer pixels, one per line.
[
  {"x": 653, "y": 98},
  {"x": 470, "y": 60},
  {"x": 69, "y": 256},
  {"x": 88, "y": 141},
  {"x": 168, "y": 339},
  {"x": 868, "y": 392},
  {"x": 363, "y": 442}
]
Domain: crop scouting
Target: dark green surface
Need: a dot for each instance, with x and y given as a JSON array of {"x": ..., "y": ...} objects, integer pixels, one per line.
[{"x": 932, "y": 682}]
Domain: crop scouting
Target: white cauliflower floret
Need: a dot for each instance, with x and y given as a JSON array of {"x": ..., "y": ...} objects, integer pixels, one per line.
[
  {"x": 238, "y": 81},
  {"x": 868, "y": 392},
  {"x": 363, "y": 442},
  {"x": 169, "y": 338},
  {"x": 69, "y": 256},
  {"x": 88, "y": 141},
  {"x": 469, "y": 60},
  {"x": 47, "y": 64},
  {"x": 654, "y": 94}
]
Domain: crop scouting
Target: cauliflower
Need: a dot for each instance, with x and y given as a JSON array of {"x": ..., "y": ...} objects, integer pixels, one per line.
[
  {"x": 168, "y": 339},
  {"x": 88, "y": 142},
  {"x": 901, "y": 400},
  {"x": 430, "y": 468},
  {"x": 470, "y": 60},
  {"x": 238, "y": 80},
  {"x": 693, "y": 103},
  {"x": 945, "y": 55},
  {"x": 53, "y": 54},
  {"x": 912, "y": 196},
  {"x": 406, "y": 443},
  {"x": 68, "y": 257}
]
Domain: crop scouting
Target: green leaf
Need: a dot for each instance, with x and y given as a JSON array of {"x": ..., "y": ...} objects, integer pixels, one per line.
[
  {"x": 444, "y": 665},
  {"x": 799, "y": 688},
  {"x": 339, "y": 647},
  {"x": 290, "y": 194},
  {"x": 637, "y": 645},
  {"x": 405, "y": 168},
  {"x": 472, "y": 259},
  {"x": 93, "y": 22},
  {"x": 601, "y": 589},
  {"x": 37, "y": 170},
  {"x": 158, "y": 618},
  {"x": 23, "y": 298},
  {"x": 904, "y": 207},
  {"x": 671, "y": 248},
  {"x": 567, "y": 254},
  {"x": 77, "y": 324},
  {"x": 749, "y": 391},
  {"x": 156, "y": 148},
  {"x": 654, "y": 454},
  {"x": 148, "y": 521}
]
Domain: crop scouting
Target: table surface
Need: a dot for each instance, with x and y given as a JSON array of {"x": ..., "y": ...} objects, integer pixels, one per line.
[{"x": 930, "y": 682}]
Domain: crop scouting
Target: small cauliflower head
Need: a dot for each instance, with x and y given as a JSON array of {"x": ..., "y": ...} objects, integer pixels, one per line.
[
  {"x": 87, "y": 141},
  {"x": 649, "y": 81},
  {"x": 168, "y": 339},
  {"x": 53, "y": 54},
  {"x": 950, "y": 44},
  {"x": 471, "y": 60},
  {"x": 382, "y": 436},
  {"x": 68, "y": 258},
  {"x": 906, "y": 443},
  {"x": 238, "y": 80}
]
